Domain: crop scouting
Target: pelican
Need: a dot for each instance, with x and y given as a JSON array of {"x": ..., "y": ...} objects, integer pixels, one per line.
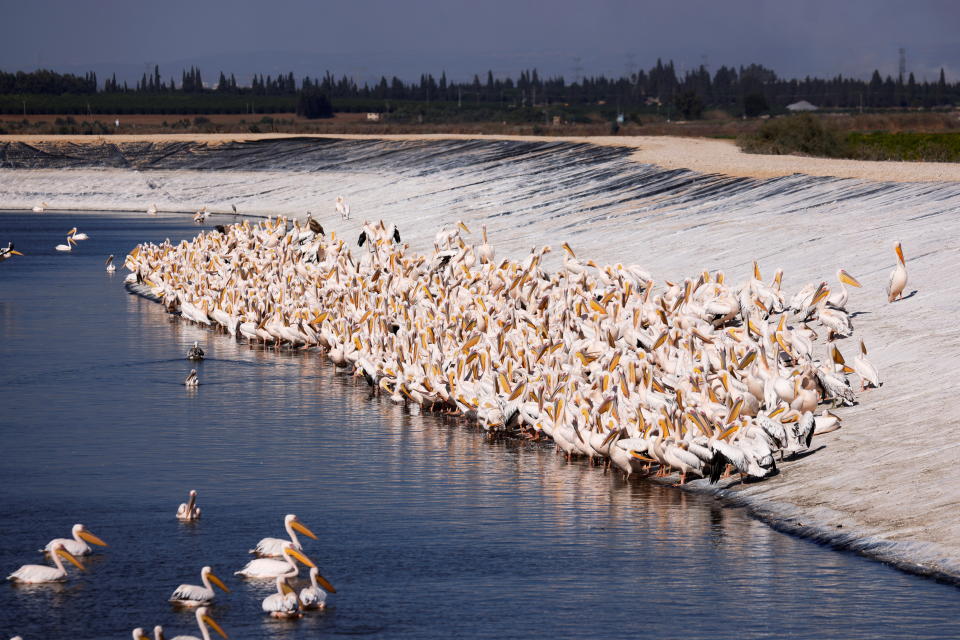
[
  {"x": 273, "y": 547},
  {"x": 343, "y": 208},
  {"x": 140, "y": 634},
  {"x": 192, "y": 380},
  {"x": 41, "y": 573},
  {"x": 77, "y": 545},
  {"x": 269, "y": 568},
  {"x": 195, "y": 352},
  {"x": 315, "y": 596},
  {"x": 70, "y": 241},
  {"x": 898, "y": 277},
  {"x": 80, "y": 236},
  {"x": 40, "y": 208},
  {"x": 152, "y": 210},
  {"x": 203, "y": 620},
  {"x": 109, "y": 264},
  {"x": 189, "y": 510},
  {"x": 284, "y": 603},
  {"x": 200, "y": 215},
  {"x": 8, "y": 251},
  {"x": 191, "y": 595},
  {"x": 485, "y": 252},
  {"x": 838, "y": 299},
  {"x": 865, "y": 369}
]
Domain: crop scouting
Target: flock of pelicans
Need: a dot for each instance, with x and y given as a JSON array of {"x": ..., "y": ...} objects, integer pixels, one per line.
[
  {"x": 700, "y": 376},
  {"x": 277, "y": 560}
]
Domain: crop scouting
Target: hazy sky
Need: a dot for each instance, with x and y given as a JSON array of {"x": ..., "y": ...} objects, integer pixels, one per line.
[{"x": 367, "y": 38}]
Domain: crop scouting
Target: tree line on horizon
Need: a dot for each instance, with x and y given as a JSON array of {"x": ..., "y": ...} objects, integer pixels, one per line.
[{"x": 751, "y": 89}]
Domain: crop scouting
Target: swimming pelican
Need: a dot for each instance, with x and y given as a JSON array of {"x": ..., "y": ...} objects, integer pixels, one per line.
[
  {"x": 40, "y": 208},
  {"x": 898, "y": 277},
  {"x": 41, "y": 573},
  {"x": 110, "y": 266},
  {"x": 284, "y": 603},
  {"x": 140, "y": 634},
  {"x": 70, "y": 241},
  {"x": 865, "y": 369},
  {"x": 269, "y": 568},
  {"x": 273, "y": 547},
  {"x": 195, "y": 352},
  {"x": 8, "y": 252},
  {"x": 192, "y": 380},
  {"x": 192, "y": 595},
  {"x": 80, "y": 236},
  {"x": 315, "y": 596},
  {"x": 152, "y": 210},
  {"x": 204, "y": 619},
  {"x": 201, "y": 215},
  {"x": 78, "y": 544},
  {"x": 189, "y": 510}
]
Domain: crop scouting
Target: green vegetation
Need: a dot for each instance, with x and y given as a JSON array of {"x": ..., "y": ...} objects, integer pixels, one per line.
[{"x": 809, "y": 135}]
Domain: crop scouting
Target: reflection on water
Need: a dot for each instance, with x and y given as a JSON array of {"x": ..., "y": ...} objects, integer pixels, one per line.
[{"x": 426, "y": 528}]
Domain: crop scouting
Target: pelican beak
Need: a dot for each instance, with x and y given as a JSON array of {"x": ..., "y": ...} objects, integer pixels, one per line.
[
  {"x": 463, "y": 227},
  {"x": 213, "y": 625},
  {"x": 302, "y": 558},
  {"x": 63, "y": 553},
  {"x": 286, "y": 588},
  {"x": 846, "y": 278},
  {"x": 217, "y": 581},
  {"x": 573, "y": 255},
  {"x": 776, "y": 412},
  {"x": 15, "y": 252},
  {"x": 302, "y": 529},
  {"x": 326, "y": 585},
  {"x": 899, "y": 251},
  {"x": 89, "y": 537}
]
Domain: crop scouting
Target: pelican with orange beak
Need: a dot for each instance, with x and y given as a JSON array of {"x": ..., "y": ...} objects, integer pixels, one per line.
[
  {"x": 189, "y": 511},
  {"x": 838, "y": 299},
  {"x": 273, "y": 547},
  {"x": 898, "y": 277},
  {"x": 8, "y": 251},
  {"x": 192, "y": 595},
  {"x": 203, "y": 621},
  {"x": 41, "y": 573},
  {"x": 270, "y": 568},
  {"x": 78, "y": 544}
]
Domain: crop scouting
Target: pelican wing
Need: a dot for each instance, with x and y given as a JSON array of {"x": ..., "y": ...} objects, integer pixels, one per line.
[
  {"x": 192, "y": 593},
  {"x": 264, "y": 568},
  {"x": 277, "y": 603}
]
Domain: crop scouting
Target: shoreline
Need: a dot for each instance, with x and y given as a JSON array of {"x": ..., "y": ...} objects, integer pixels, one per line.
[
  {"x": 703, "y": 155},
  {"x": 890, "y": 508}
]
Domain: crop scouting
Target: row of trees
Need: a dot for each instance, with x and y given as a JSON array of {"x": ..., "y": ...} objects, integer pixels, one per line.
[{"x": 727, "y": 88}]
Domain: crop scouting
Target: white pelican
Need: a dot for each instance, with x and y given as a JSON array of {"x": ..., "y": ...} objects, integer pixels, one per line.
[
  {"x": 78, "y": 544},
  {"x": 140, "y": 634},
  {"x": 40, "y": 208},
  {"x": 80, "y": 236},
  {"x": 898, "y": 277},
  {"x": 152, "y": 210},
  {"x": 192, "y": 595},
  {"x": 273, "y": 547},
  {"x": 8, "y": 251},
  {"x": 70, "y": 241},
  {"x": 189, "y": 510},
  {"x": 195, "y": 352},
  {"x": 41, "y": 573},
  {"x": 269, "y": 568},
  {"x": 192, "y": 380},
  {"x": 343, "y": 208},
  {"x": 201, "y": 215},
  {"x": 315, "y": 596},
  {"x": 838, "y": 299},
  {"x": 485, "y": 252},
  {"x": 284, "y": 603},
  {"x": 109, "y": 264},
  {"x": 865, "y": 369},
  {"x": 203, "y": 620}
]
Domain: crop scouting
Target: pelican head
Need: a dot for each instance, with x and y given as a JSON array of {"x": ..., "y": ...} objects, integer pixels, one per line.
[
  {"x": 293, "y": 522},
  {"x": 569, "y": 250},
  {"x": 81, "y": 531},
  {"x": 320, "y": 580},
  {"x": 207, "y": 572},
  {"x": 846, "y": 278},
  {"x": 63, "y": 553},
  {"x": 293, "y": 553},
  {"x": 203, "y": 617},
  {"x": 899, "y": 249}
]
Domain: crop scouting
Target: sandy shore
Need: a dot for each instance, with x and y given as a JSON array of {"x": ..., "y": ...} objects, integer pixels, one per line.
[{"x": 698, "y": 154}]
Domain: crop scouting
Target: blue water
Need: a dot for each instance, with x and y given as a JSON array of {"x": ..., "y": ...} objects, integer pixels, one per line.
[{"x": 426, "y": 529}]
